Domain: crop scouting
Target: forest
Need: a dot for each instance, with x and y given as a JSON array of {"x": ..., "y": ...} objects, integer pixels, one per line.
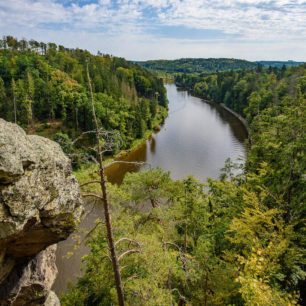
[
  {"x": 197, "y": 65},
  {"x": 248, "y": 91},
  {"x": 279, "y": 64},
  {"x": 238, "y": 240},
  {"x": 44, "y": 88},
  {"x": 209, "y": 65}
]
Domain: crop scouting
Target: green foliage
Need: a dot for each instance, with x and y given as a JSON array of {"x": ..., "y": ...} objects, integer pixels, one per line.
[
  {"x": 49, "y": 83},
  {"x": 197, "y": 65},
  {"x": 263, "y": 253},
  {"x": 239, "y": 240},
  {"x": 247, "y": 92}
]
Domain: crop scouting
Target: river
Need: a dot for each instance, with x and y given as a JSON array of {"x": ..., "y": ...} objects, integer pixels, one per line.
[{"x": 196, "y": 138}]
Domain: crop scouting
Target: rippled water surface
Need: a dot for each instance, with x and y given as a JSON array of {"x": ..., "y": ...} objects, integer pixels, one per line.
[{"x": 196, "y": 138}]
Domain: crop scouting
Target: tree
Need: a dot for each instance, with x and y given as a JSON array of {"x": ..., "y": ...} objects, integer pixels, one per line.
[
  {"x": 104, "y": 198},
  {"x": 262, "y": 252},
  {"x": 14, "y": 99},
  {"x": 3, "y": 99},
  {"x": 30, "y": 97},
  {"x": 153, "y": 186}
]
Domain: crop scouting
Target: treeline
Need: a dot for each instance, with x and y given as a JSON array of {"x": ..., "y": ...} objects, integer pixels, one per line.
[
  {"x": 279, "y": 64},
  {"x": 236, "y": 241},
  {"x": 42, "y": 82},
  {"x": 197, "y": 65},
  {"x": 247, "y": 92}
]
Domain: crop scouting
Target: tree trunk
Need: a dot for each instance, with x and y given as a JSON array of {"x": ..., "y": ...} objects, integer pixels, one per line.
[
  {"x": 153, "y": 203},
  {"x": 185, "y": 234},
  {"x": 15, "y": 110},
  {"x": 110, "y": 236}
]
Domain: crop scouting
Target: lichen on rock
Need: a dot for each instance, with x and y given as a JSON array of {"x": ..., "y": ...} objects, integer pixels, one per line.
[{"x": 40, "y": 201}]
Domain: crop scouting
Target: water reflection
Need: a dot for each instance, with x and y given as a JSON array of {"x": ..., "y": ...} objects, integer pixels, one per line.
[
  {"x": 152, "y": 145},
  {"x": 196, "y": 138}
]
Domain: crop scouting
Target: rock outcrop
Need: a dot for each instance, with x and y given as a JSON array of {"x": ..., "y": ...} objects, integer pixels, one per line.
[
  {"x": 30, "y": 283},
  {"x": 40, "y": 204}
]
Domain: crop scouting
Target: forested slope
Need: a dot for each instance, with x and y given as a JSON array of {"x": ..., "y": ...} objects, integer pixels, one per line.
[
  {"x": 249, "y": 91},
  {"x": 239, "y": 240},
  {"x": 197, "y": 65},
  {"x": 46, "y": 83}
]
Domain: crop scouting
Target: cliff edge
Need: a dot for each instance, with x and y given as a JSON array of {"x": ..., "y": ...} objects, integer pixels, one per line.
[{"x": 40, "y": 204}]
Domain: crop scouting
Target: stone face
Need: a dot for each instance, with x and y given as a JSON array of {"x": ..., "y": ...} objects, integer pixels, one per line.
[
  {"x": 30, "y": 283},
  {"x": 52, "y": 299},
  {"x": 40, "y": 201}
]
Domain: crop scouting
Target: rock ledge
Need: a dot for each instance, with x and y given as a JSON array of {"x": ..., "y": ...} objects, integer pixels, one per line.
[{"x": 40, "y": 204}]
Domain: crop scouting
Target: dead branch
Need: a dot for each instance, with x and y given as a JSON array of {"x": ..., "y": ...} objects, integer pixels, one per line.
[
  {"x": 121, "y": 268},
  {"x": 172, "y": 244},
  {"x": 127, "y": 253},
  {"x": 110, "y": 236},
  {"x": 90, "y": 182},
  {"x": 129, "y": 279},
  {"x": 89, "y": 233},
  {"x": 181, "y": 254},
  {"x": 129, "y": 240},
  {"x": 148, "y": 218},
  {"x": 106, "y": 256},
  {"x": 181, "y": 297},
  {"x": 81, "y": 136},
  {"x": 92, "y": 195}
]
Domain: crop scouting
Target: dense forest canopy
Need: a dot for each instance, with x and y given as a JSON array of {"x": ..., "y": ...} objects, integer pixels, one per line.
[
  {"x": 247, "y": 92},
  {"x": 279, "y": 63},
  {"x": 239, "y": 240},
  {"x": 46, "y": 83},
  {"x": 197, "y": 65},
  {"x": 205, "y": 65}
]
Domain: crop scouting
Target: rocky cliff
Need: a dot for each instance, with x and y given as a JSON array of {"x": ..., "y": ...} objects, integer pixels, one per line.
[{"x": 40, "y": 204}]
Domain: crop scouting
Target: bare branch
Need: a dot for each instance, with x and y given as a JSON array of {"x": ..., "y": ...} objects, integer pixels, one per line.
[
  {"x": 129, "y": 240},
  {"x": 172, "y": 244},
  {"x": 181, "y": 254},
  {"x": 81, "y": 136},
  {"x": 89, "y": 233},
  {"x": 107, "y": 256},
  {"x": 127, "y": 253},
  {"x": 129, "y": 279},
  {"x": 90, "y": 182},
  {"x": 123, "y": 267},
  {"x": 92, "y": 195},
  {"x": 180, "y": 296},
  {"x": 110, "y": 236}
]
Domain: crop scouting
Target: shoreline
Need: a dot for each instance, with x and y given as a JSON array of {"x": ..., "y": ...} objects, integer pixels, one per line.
[
  {"x": 83, "y": 173},
  {"x": 238, "y": 116},
  {"x": 138, "y": 142}
]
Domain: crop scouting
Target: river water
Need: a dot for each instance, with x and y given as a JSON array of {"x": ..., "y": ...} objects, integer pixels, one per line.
[{"x": 196, "y": 138}]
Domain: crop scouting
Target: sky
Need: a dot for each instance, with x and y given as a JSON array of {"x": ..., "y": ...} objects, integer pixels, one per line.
[{"x": 164, "y": 29}]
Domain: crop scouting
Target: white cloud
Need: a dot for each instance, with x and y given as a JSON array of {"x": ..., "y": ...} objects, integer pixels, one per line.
[{"x": 259, "y": 25}]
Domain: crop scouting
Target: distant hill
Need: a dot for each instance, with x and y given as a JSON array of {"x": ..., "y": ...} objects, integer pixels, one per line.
[
  {"x": 279, "y": 63},
  {"x": 197, "y": 65},
  {"x": 207, "y": 65}
]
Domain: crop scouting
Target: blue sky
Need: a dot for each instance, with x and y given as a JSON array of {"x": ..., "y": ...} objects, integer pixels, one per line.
[{"x": 152, "y": 29}]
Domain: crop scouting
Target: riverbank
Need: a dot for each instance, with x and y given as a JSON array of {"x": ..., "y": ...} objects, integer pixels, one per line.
[
  {"x": 241, "y": 119},
  {"x": 88, "y": 171},
  {"x": 238, "y": 116},
  {"x": 178, "y": 147}
]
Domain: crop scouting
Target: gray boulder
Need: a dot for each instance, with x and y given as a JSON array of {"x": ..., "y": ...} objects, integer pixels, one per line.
[
  {"x": 40, "y": 201},
  {"x": 30, "y": 283}
]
